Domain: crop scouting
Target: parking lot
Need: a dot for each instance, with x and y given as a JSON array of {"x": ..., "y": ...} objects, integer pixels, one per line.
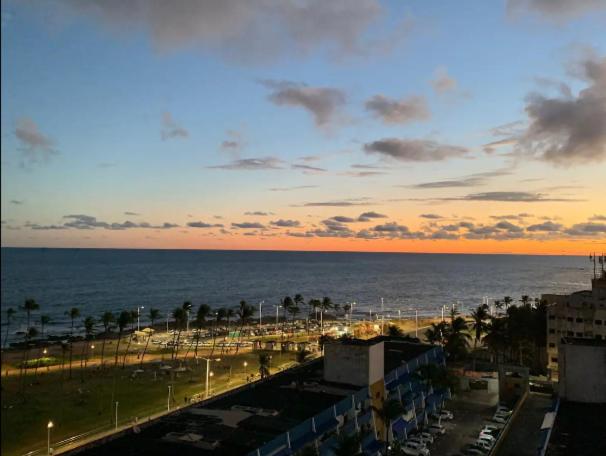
[{"x": 472, "y": 410}]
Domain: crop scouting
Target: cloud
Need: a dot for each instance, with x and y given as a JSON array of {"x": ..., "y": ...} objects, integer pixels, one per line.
[
  {"x": 363, "y": 173},
  {"x": 367, "y": 216},
  {"x": 248, "y": 225},
  {"x": 170, "y": 129},
  {"x": 598, "y": 217},
  {"x": 414, "y": 150},
  {"x": 252, "y": 164},
  {"x": 442, "y": 82},
  {"x": 88, "y": 222},
  {"x": 468, "y": 181},
  {"x": 131, "y": 213},
  {"x": 323, "y": 103},
  {"x": 334, "y": 204},
  {"x": 35, "y": 147},
  {"x": 204, "y": 225},
  {"x": 307, "y": 169},
  {"x": 431, "y": 216},
  {"x": 555, "y": 10},
  {"x": 522, "y": 197},
  {"x": 36, "y": 227},
  {"x": 233, "y": 143},
  {"x": 569, "y": 130},
  {"x": 341, "y": 219},
  {"x": 392, "y": 111},
  {"x": 286, "y": 223},
  {"x": 518, "y": 217},
  {"x": 16, "y": 202},
  {"x": 249, "y": 31},
  {"x": 546, "y": 226},
  {"x": 259, "y": 213},
  {"x": 289, "y": 189},
  {"x": 587, "y": 229}
]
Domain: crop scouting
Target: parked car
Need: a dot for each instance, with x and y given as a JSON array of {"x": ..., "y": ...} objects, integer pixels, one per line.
[
  {"x": 488, "y": 437},
  {"x": 418, "y": 440},
  {"x": 415, "y": 448},
  {"x": 500, "y": 419},
  {"x": 444, "y": 415},
  {"x": 504, "y": 410},
  {"x": 473, "y": 452},
  {"x": 425, "y": 436},
  {"x": 483, "y": 444},
  {"x": 436, "y": 429},
  {"x": 491, "y": 428}
]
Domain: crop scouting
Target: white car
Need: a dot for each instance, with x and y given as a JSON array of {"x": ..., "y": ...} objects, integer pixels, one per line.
[
  {"x": 473, "y": 452},
  {"x": 488, "y": 437},
  {"x": 483, "y": 444},
  {"x": 415, "y": 449},
  {"x": 490, "y": 428},
  {"x": 436, "y": 429},
  {"x": 443, "y": 415},
  {"x": 500, "y": 419},
  {"x": 425, "y": 437},
  {"x": 417, "y": 440},
  {"x": 503, "y": 410},
  {"x": 413, "y": 452}
]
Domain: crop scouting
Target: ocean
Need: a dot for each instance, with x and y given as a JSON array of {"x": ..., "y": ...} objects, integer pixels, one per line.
[{"x": 99, "y": 280}]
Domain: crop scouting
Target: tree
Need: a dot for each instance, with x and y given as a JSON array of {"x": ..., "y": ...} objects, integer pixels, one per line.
[
  {"x": 29, "y": 335},
  {"x": 314, "y": 305},
  {"x": 479, "y": 317},
  {"x": 72, "y": 313},
  {"x": 187, "y": 306},
  {"x": 220, "y": 315},
  {"x": 347, "y": 445},
  {"x": 302, "y": 356},
  {"x": 44, "y": 321},
  {"x": 229, "y": 314},
  {"x": 436, "y": 333},
  {"x": 123, "y": 321},
  {"x": 457, "y": 339},
  {"x": 496, "y": 338},
  {"x": 10, "y": 312},
  {"x": 394, "y": 331},
  {"x": 153, "y": 316},
  {"x": 264, "y": 360},
  {"x": 134, "y": 315},
  {"x": 525, "y": 300},
  {"x": 89, "y": 329},
  {"x": 29, "y": 306},
  {"x": 507, "y": 300},
  {"x": 389, "y": 411},
  {"x": 107, "y": 320},
  {"x": 244, "y": 312},
  {"x": 180, "y": 317},
  {"x": 201, "y": 315},
  {"x": 325, "y": 306}
]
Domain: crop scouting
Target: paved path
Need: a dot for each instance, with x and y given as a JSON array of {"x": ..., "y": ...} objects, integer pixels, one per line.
[{"x": 523, "y": 436}]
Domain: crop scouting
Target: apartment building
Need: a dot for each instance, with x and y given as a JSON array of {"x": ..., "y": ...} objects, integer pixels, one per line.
[{"x": 580, "y": 315}]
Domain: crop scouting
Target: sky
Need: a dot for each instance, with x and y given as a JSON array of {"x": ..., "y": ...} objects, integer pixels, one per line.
[{"x": 356, "y": 125}]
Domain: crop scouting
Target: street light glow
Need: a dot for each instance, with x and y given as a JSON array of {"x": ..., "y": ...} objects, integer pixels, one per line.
[{"x": 50, "y": 425}]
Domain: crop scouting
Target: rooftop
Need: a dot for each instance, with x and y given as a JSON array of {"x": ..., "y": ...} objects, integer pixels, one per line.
[{"x": 579, "y": 430}]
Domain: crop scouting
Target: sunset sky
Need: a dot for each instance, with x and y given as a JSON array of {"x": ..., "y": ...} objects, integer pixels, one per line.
[{"x": 425, "y": 126}]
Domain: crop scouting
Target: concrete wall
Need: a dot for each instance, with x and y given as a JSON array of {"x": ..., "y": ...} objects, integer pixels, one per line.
[
  {"x": 582, "y": 373},
  {"x": 359, "y": 365}
]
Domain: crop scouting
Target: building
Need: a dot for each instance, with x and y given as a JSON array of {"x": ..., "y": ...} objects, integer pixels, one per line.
[
  {"x": 580, "y": 315},
  {"x": 308, "y": 406},
  {"x": 582, "y": 370}
]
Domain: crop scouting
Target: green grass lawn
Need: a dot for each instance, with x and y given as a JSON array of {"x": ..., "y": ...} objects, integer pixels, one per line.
[{"x": 80, "y": 405}]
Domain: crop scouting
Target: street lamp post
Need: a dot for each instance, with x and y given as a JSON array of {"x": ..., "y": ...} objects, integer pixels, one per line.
[
  {"x": 245, "y": 368},
  {"x": 117, "y": 415},
  {"x": 168, "y": 401},
  {"x": 209, "y": 373},
  {"x": 416, "y": 323},
  {"x": 138, "y": 317},
  {"x": 260, "y": 313},
  {"x": 277, "y": 316},
  {"x": 49, "y": 426}
]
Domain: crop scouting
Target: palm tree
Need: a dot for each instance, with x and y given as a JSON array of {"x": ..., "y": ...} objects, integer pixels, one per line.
[
  {"x": 187, "y": 306},
  {"x": 479, "y": 317},
  {"x": 314, "y": 305},
  {"x": 89, "y": 328},
  {"x": 394, "y": 331},
  {"x": 507, "y": 300},
  {"x": 219, "y": 317},
  {"x": 29, "y": 306},
  {"x": 264, "y": 360},
  {"x": 347, "y": 445},
  {"x": 10, "y": 312},
  {"x": 123, "y": 321},
  {"x": 389, "y": 411},
  {"x": 436, "y": 333},
  {"x": 107, "y": 319},
  {"x": 73, "y": 313},
  {"x": 457, "y": 339},
  {"x": 325, "y": 306},
  {"x": 133, "y": 318},
  {"x": 180, "y": 317},
  {"x": 153, "y": 316},
  {"x": 203, "y": 312},
  {"x": 525, "y": 300},
  {"x": 44, "y": 320},
  {"x": 229, "y": 314},
  {"x": 496, "y": 338},
  {"x": 498, "y": 304},
  {"x": 244, "y": 312},
  {"x": 29, "y": 335}
]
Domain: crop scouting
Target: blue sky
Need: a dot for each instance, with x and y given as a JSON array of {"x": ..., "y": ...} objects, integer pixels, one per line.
[{"x": 97, "y": 87}]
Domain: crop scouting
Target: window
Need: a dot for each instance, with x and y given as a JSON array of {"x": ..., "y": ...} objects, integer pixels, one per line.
[
  {"x": 569, "y": 333},
  {"x": 551, "y": 345},
  {"x": 598, "y": 322},
  {"x": 598, "y": 336},
  {"x": 579, "y": 334},
  {"x": 552, "y": 331},
  {"x": 570, "y": 319},
  {"x": 579, "y": 320},
  {"x": 554, "y": 360}
]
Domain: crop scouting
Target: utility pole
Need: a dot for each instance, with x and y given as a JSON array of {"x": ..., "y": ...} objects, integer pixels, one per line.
[
  {"x": 168, "y": 401},
  {"x": 416, "y": 323},
  {"x": 117, "y": 415},
  {"x": 260, "y": 313}
]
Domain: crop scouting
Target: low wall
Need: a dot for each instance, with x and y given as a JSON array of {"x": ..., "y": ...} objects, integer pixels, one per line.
[{"x": 519, "y": 404}]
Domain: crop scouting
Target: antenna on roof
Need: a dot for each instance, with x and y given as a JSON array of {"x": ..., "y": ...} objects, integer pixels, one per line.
[{"x": 593, "y": 259}]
